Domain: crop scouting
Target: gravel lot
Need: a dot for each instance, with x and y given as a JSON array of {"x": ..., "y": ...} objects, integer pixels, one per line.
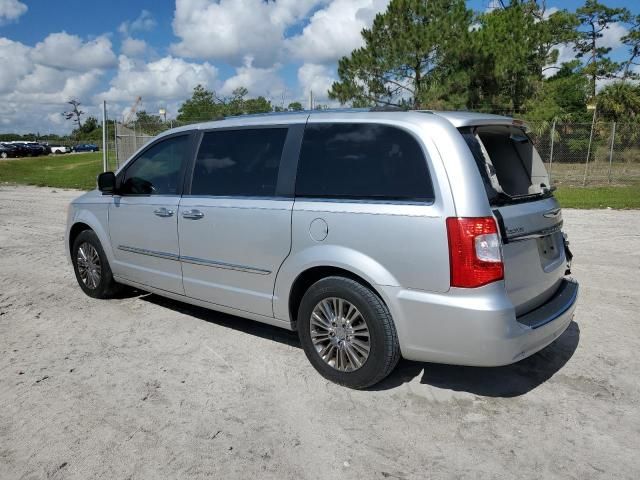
[{"x": 144, "y": 387}]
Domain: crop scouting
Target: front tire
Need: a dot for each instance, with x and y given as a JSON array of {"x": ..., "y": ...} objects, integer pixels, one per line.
[
  {"x": 91, "y": 267},
  {"x": 347, "y": 332}
]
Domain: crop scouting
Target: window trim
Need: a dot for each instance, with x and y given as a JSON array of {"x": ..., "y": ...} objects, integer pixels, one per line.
[
  {"x": 285, "y": 183},
  {"x": 364, "y": 199},
  {"x": 190, "y": 134}
]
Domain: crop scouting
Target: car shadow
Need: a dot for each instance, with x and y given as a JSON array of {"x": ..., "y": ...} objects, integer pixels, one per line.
[
  {"x": 244, "y": 325},
  {"x": 508, "y": 381}
]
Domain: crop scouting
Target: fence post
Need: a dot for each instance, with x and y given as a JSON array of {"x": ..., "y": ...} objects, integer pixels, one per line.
[
  {"x": 115, "y": 140},
  {"x": 104, "y": 136},
  {"x": 553, "y": 134},
  {"x": 586, "y": 164},
  {"x": 613, "y": 138}
]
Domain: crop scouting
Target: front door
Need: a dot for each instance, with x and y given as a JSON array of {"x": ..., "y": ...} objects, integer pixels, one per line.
[
  {"x": 235, "y": 223},
  {"x": 143, "y": 217}
]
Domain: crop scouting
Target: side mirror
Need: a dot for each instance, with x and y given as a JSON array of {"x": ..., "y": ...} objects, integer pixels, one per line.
[{"x": 107, "y": 183}]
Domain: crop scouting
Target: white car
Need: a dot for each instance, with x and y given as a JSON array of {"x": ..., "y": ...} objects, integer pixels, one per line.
[{"x": 60, "y": 149}]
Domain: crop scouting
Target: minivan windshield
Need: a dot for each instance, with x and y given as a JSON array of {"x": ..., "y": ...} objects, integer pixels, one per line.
[{"x": 510, "y": 166}]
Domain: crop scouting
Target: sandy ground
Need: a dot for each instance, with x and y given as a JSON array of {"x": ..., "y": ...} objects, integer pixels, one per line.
[{"x": 143, "y": 387}]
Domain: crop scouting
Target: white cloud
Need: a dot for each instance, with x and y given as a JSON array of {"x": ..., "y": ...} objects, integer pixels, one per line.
[
  {"x": 143, "y": 23},
  {"x": 165, "y": 79},
  {"x": 316, "y": 78},
  {"x": 612, "y": 36},
  {"x": 17, "y": 55},
  {"x": 258, "y": 81},
  {"x": 231, "y": 30},
  {"x": 67, "y": 85},
  {"x": 11, "y": 10},
  {"x": 36, "y": 87},
  {"x": 62, "y": 50},
  {"x": 31, "y": 81},
  {"x": 254, "y": 36},
  {"x": 334, "y": 31},
  {"x": 133, "y": 47}
]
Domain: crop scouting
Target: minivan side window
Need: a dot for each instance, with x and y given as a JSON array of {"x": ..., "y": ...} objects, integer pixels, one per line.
[
  {"x": 158, "y": 170},
  {"x": 362, "y": 161},
  {"x": 242, "y": 162}
]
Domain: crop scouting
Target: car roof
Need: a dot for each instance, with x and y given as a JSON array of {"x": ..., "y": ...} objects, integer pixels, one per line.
[{"x": 456, "y": 118}]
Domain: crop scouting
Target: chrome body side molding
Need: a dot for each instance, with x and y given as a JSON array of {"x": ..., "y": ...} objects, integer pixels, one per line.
[{"x": 194, "y": 260}]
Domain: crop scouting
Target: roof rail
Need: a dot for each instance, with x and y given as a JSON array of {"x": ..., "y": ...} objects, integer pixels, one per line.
[{"x": 389, "y": 108}]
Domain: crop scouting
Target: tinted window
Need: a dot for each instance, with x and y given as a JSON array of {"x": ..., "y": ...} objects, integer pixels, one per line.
[
  {"x": 158, "y": 170},
  {"x": 367, "y": 161},
  {"x": 239, "y": 162}
]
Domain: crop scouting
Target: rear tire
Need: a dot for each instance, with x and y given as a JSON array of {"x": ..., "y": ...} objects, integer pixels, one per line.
[
  {"x": 347, "y": 332},
  {"x": 91, "y": 267}
]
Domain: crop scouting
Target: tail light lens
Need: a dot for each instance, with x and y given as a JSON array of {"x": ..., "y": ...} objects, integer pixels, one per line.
[{"x": 475, "y": 256}]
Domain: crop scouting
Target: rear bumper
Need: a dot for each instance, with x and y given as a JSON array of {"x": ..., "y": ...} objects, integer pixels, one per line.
[{"x": 476, "y": 327}]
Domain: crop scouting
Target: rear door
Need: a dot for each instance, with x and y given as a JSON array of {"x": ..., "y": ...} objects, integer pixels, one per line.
[
  {"x": 529, "y": 216},
  {"x": 235, "y": 222}
]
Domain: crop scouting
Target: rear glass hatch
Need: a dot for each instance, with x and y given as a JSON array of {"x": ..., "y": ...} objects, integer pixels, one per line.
[{"x": 529, "y": 217}]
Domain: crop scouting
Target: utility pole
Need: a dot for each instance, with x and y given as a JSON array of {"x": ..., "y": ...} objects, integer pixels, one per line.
[
  {"x": 104, "y": 135},
  {"x": 310, "y": 99},
  {"x": 115, "y": 141}
]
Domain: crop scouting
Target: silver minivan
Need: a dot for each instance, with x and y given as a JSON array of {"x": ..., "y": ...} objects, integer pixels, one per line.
[{"x": 433, "y": 236}]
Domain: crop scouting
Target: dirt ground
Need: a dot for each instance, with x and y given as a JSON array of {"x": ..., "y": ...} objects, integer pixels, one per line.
[{"x": 147, "y": 388}]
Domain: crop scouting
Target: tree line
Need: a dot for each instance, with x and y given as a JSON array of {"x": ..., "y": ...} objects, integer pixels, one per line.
[{"x": 438, "y": 54}]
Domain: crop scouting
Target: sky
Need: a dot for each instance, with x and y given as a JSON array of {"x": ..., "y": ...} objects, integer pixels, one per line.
[{"x": 117, "y": 50}]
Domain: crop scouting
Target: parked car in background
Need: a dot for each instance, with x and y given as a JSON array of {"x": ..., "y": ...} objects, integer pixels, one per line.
[
  {"x": 20, "y": 148},
  {"x": 60, "y": 148},
  {"x": 29, "y": 149},
  {"x": 37, "y": 148},
  {"x": 8, "y": 151},
  {"x": 429, "y": 235},
  {"x": 86, "y": 147}
]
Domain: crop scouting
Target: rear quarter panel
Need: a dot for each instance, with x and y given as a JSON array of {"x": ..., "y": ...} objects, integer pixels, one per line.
[{"x": 391, "y": 244}]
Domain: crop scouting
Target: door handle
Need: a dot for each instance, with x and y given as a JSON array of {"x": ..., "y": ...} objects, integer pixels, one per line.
[
  {"x": 192, "y": 214},
  {"x": 163, "y": 212}
]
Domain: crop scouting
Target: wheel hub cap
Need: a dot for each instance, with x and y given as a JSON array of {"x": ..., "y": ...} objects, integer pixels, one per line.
[
  {"x": 89, "y": 267},
  {"x": 340, "y": 334}
]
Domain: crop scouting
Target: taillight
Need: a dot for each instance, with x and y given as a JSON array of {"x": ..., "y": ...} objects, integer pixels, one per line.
[{"x": 475, "y": 257}]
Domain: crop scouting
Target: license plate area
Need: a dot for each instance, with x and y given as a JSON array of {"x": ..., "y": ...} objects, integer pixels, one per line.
[{"x": 550, "y": 249}]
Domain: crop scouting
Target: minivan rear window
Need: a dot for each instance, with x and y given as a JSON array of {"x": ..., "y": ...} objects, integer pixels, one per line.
[
  {"x": 362, "y": 161},
  {"x": 508, "y": 162}
]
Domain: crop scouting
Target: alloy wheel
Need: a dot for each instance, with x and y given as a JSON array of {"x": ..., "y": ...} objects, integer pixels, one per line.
[
  {"x": 89, "y": 267},
  {"x": 340, "y": 334}
]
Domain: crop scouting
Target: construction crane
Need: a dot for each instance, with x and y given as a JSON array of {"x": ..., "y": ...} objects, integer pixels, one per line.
[{"x": 132, "y": 111}]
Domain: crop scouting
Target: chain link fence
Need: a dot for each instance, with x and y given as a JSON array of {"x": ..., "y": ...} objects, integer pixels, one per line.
[
  {"x": 582, "y": 154},
  {"x": 575, "y": 154}
]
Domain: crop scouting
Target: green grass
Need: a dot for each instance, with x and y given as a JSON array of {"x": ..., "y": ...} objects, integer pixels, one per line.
[
  {"x": 599, "y": 197},
  {"x": 78, "y": 170}
]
